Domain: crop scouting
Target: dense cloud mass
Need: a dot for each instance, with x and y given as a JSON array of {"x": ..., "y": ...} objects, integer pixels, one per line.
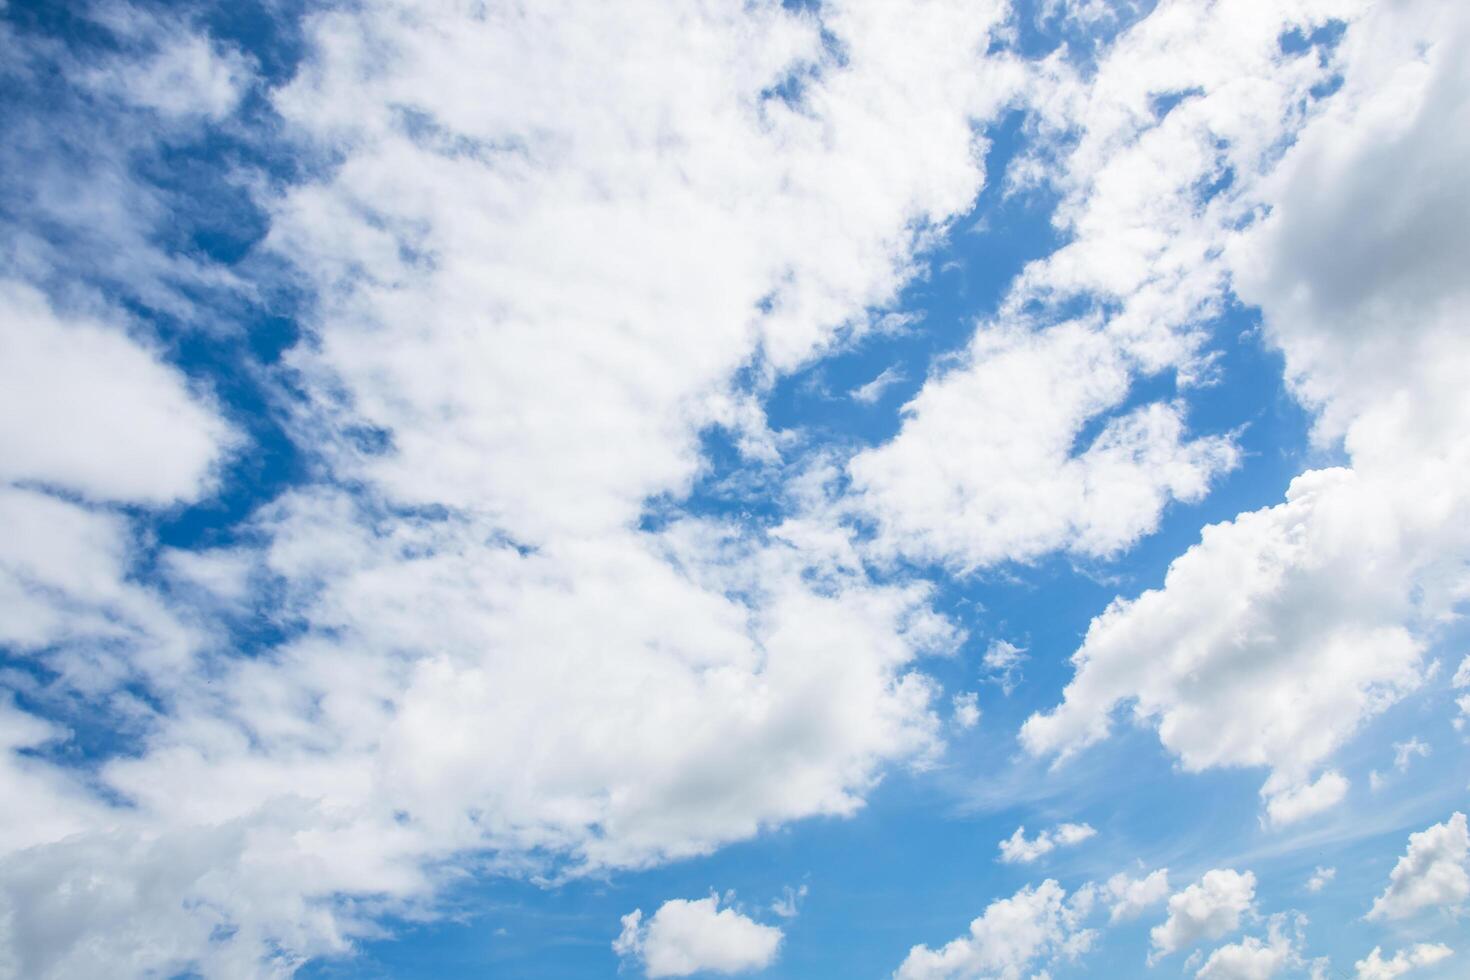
[{"x": 445, "y": 444}]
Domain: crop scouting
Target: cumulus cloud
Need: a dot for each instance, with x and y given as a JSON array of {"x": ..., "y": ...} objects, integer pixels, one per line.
[
  {"x": 1433, "y": 872},
  {"x": 1131, "y": 896},
  {"x": 484, "y": 647},
  {"x": 966, "y": 710},
  {"x": 1207, "y": 909},
  {"x": 1017, "y": 849},
  {"x": 1013, "y": 935},
  {"x": 1253, "y": 958},
  {"x": 693, "y": 936},
  {"x": 1011, "y": 487},
  {"x": 86, "y": 408},
  {"x": 1375, "y": 967},
  {"x": 509, "y": 232},
  {"x": 91, "y": 418},
  {"x": 1295, "y": 642}
]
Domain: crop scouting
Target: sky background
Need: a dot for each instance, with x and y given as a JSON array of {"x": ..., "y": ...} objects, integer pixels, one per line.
[{"x": 474, "y": 471}]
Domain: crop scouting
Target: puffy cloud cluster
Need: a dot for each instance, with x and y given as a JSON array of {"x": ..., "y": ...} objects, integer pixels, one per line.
[
  {"x": 1281, "y": 631},
  {"x": 91, "y": 420},
  {"x": 1207, "y": 909},
  {"x": 1375, "y": 967},
  {"x": 1017, "y": 849},
  {"x": 1130, "y": 896},
  {"x": 685, "y": 937},
  {"x": 984, "y": 470},
  {"x": 1433, "y": 873},
  {"x": 537, "y": 263},
  {"x": 1011, "y": 937},
  {"x": 1253, "y": 958}
]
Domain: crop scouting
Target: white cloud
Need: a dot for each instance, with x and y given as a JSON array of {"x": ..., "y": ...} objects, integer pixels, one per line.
[
  {"x": 988, "y": 467},
  {"x": 87, "y": 411},
  {"x": 1018, "y": 850},
  {"x": 1252, "y": 958},
  {"x": 86, "y": 408},
  {"x": 1320, "y": 878},
  {"x": 966, "y": 713},
  {"x": 1284, "y": 806},
  {"x": 1431, "y": 874},
  {"x": 1207, "y": 909},
  {"x": 1462, "y": 674},
  {"x": 1130, "y": 896},
  {"x": 485, "y": 655},
  {"x": 185, "y": 76},
  {"x": 685, "y": 937},
  {"x": 1375, "y": 967},
  {"x": 1009, "y": 486},
  {"x": 1012, "y": 935},
  {"x": 1281, "y": 631}
]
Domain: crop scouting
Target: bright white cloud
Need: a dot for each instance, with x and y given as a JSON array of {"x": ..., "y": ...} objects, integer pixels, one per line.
[
  {"x": 1317, "y": 610},
  {"x": 1207, "y": 909},
  {"x": 1017, "y": 849},
  {"x": 984, "y": 469},
  {"x": 1433, "y": 872},
  {"x": 1375, "y": 967},
  {"x": 685, "y": 937},
  {"x": 87, "y": 411},
  {"x": 1011, "y": 937},
  {"x": 1131, "y": 896},
  {"x": 486, "y": 655},
  {"x": 86, "y": 408},
  {"x": 1252, "y": 958}
]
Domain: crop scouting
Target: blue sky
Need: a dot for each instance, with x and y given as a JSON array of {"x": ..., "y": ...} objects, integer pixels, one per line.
[{"x": 488, "y": 501}]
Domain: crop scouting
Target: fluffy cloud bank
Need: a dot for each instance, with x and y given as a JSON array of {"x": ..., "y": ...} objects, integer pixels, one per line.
[
  {"x": 525, "y": 311},
  {"x": 1273, "y": 639}
]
